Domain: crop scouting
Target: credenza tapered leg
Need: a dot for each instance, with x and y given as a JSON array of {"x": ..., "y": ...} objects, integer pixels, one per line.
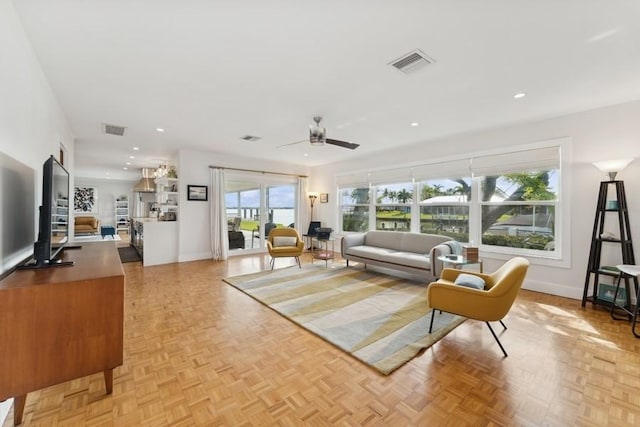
[
  {"x": 18, "y": 409},
  {"x": 108, "y": 380}
]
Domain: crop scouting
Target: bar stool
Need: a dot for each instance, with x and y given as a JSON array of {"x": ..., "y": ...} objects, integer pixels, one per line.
[{"x": 628, "y": 271}]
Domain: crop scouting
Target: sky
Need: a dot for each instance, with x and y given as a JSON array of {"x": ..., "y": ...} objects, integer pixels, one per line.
[{"x": 278, "y": 197}]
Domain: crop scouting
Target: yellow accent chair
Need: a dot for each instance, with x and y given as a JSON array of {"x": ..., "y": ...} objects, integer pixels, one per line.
[
  {"x": 284, "y": 242},
  {"x": 489, "y": 304}
]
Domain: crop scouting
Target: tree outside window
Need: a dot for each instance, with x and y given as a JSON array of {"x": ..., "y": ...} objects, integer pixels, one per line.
[
  {"x": 393, "y": 207},
  {"x": 354, "y": 203},
  {"x": 519, "y": 210}
]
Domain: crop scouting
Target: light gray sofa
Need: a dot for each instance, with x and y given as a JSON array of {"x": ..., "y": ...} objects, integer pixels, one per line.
[{"x": 411, "y": 252}]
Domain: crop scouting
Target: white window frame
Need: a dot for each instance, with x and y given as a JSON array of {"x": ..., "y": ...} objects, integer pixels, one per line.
[{"x": 560, "y": 257}]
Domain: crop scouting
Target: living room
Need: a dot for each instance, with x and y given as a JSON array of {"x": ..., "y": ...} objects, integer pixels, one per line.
[{"x": 34, "y": 124}]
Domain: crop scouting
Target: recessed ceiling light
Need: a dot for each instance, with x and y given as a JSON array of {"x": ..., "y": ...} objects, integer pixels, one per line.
[
  {"x": 160, "y": 129},
  {"x": 414, "y": 124},
  {"x": 125, "y": 168},
  {"x": 136, "y": 148},
  {"x": 132, "y": 157},
  {"x": 519, "y": 95},
  {"x": 128, "y": 163},
  {"x": 306, "y": 154}
]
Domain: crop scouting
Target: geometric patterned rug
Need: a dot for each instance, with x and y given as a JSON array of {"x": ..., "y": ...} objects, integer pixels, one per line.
[{"x": 381, "y": 320}]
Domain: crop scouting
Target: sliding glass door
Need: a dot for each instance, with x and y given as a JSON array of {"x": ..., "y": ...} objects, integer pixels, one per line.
[{"x": 254, "y": 207}]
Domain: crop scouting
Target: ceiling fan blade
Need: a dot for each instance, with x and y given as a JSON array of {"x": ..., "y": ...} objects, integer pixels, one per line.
[
  {"x": 292, "y": 143},
  {"x": 343, "y": 144}
]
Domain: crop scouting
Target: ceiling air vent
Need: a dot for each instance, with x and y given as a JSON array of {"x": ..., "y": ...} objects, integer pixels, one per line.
[
  {"x": 114, "y": 129},
  {"x": 412, "y": 61},
  {"x": 250, "y": 138}
]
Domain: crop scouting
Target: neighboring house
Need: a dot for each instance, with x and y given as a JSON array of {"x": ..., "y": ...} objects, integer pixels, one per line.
[{"x": 524, "y": 225}]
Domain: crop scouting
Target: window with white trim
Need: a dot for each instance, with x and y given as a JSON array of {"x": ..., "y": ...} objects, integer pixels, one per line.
[
  {"x": 393, "y": 206},
  {"x": 354, "y": 207},
  {"x": 511, "y": 205},
  {"x": 444, "y": 207}
]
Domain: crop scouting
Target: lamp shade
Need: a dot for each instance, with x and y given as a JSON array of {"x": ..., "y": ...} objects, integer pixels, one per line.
[{"x": 612, "y": 166}]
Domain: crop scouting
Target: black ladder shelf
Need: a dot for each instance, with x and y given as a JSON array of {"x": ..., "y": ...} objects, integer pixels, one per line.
[{"x": 619, "y": 206}]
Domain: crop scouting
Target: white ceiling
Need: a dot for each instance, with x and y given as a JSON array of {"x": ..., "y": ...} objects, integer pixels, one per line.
[{"x": 209, "y": 72}]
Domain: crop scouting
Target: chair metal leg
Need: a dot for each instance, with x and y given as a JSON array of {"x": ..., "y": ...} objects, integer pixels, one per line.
[
  {"x": 298, "y": 260},
  {"x": 497, "y": 340},
  {"x": 433, "y": 313},
  {"x": 503, "y": 325},
  {"x": 273, "y": 262}
]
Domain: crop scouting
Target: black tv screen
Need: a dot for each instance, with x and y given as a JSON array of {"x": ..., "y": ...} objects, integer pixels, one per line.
[
  {"x": 53, "y": 229},
  {"x": 58, "y": 199}
]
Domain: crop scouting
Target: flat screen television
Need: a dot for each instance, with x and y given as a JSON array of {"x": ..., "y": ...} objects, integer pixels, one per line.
[{"x": 53, "y": 228}]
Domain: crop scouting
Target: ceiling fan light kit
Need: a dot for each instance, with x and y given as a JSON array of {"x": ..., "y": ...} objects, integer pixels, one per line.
[
  {"x": 317, "y": 134},
  {"x": 318, "y": 137}
]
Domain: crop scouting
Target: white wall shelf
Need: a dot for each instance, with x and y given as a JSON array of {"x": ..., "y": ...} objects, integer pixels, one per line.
[{"x": 122, "y": 215}]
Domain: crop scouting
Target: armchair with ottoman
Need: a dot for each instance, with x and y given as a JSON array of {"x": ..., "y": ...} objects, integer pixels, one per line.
[{"x": 86, "y": 225}]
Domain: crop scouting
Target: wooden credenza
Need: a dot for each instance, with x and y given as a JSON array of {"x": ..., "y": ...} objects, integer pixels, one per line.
[{"x": 61, "y": 323}]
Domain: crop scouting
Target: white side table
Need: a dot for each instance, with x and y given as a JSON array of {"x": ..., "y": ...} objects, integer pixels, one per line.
[{"x": 459, "y": 261}]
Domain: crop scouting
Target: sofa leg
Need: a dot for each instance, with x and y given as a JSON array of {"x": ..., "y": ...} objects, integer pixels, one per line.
[
  {"x": 347, "y": 263},
  {"x": 433, "y": 313}
]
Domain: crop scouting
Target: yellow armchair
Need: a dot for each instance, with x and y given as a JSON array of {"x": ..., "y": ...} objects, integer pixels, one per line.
[
  {"x": 284, "y": 242},
  {"x": 489, "y": 304}
]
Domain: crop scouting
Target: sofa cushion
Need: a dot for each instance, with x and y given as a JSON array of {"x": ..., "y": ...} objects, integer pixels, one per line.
[
  {"x": 420, "y": 243},
  {"x": 371, "y": 252},
  {"x": 410, "y": 259},
  {"x": 384, "y": 239}
]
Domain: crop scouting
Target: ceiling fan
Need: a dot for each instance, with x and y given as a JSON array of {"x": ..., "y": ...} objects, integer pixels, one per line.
[{"x": 318, "y": 137}]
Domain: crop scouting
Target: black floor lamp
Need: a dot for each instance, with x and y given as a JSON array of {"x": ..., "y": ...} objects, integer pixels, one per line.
[{"x": 312, "y": 198}]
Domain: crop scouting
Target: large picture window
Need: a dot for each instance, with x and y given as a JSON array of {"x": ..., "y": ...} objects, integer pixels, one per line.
[
  {"x": 393, "y": 207},
  {"x": 444, "y": 208},
  {"x": 354, "y": 204},
  {"x": 518, "y": 210},
  {"x": 509, "y": 202}
]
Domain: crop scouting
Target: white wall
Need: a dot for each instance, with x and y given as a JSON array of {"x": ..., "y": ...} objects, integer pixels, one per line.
[
  {"x": 108, "y": 191},
  {"x": 32, "y": 125},
  {"x": 193, "y": 218},
  {"x": 600, "y": 134}
]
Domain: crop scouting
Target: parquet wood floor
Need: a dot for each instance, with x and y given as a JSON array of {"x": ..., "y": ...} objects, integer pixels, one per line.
[{"x": 201, "y": 353}]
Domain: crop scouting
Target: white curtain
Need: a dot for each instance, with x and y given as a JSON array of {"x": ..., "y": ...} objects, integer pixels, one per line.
[
  {"x": 219, "y": 228},
  {"x": 302, "y": 219}
]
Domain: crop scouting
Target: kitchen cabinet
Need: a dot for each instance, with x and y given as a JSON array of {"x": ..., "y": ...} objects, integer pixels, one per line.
[{"x": 156, "y": 241}]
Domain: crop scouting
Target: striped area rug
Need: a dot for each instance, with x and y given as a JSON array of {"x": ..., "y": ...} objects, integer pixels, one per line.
[{"x": 381, "y": 320}]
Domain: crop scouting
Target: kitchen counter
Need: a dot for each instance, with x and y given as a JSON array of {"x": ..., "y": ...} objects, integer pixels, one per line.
[{"x": 156, "y": 241}]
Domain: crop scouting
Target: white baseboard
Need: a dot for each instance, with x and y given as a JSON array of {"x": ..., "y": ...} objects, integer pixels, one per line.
[
  {"x": 553, "y": 289},
  {"x": 195, "y": 257},
  {"x": 4, "y": 410}
]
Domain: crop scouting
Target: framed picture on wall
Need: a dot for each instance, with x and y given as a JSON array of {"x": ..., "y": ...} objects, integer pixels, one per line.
[
  {"x": 197, "y": 192},
  {"x": 324, "y": 197},
  {"x": 85, "y": 200}
]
